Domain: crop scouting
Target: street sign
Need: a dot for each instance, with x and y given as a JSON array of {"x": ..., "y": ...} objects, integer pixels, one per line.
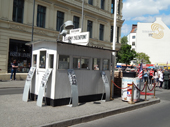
[
  {"x": 74, "y": 88},
  {"x": 28, "y": 84},
  {"x": 77, "y": 38},
  {"x": 43, "y": 87},
  {"x": 106, "y": 85}
]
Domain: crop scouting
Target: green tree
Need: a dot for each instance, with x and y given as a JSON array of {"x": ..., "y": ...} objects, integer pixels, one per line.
[
  {"x": 125, "y": 54},
  {"x": 142, "y": 56},
  {"x": 124, "y": 40}
]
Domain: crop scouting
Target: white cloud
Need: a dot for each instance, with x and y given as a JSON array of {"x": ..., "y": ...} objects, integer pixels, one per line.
[
  {"x": 126, "y": 29},
  {"x": 150, "y": 19},
  {"x": 133, "y": 8}
]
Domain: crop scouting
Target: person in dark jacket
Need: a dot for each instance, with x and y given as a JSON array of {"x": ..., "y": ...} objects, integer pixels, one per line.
[
  {"x": 14, "y": 69},
  {"x": 166, "y": 79}
]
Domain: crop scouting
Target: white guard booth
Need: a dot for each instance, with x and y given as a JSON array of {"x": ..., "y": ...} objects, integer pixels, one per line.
[{"x": 52, "y": 61}]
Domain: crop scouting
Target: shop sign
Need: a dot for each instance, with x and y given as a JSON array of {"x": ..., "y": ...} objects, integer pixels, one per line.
[{"x": 19, "y": 54}]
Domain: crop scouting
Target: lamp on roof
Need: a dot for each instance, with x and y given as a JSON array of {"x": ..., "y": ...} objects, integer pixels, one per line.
[{"x": 67, "y": 25}]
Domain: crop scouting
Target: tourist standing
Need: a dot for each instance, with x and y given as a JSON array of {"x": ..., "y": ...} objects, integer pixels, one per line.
[
  {"x": 145, "y": 75},
  {"x": 160, "y": 78},
  {"x": 166, "y": 79},
  {"x": 151, "y": 72},
  {"x": 14, "y": 69}
]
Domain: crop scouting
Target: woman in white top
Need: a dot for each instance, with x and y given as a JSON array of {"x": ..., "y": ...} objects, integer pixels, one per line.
[{"x": 156, "y": 77}]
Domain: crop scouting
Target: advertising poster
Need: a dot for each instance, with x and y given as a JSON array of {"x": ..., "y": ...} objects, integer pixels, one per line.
[{"x": 127, "y": 89}]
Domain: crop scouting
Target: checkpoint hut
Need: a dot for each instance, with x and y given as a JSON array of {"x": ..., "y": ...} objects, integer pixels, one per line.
[{"x": 87, "y": 63}]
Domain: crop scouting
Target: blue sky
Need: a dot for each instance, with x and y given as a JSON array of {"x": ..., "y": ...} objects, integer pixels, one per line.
[{"x": 135, "y": 11}]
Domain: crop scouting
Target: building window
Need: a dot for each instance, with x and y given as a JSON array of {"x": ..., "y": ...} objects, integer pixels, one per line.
[
  {"x": 18, "y": 10},
  {"x": 119, "y": 7},
  {"x": 112, "y": 6},
  {"x": 102, "y": 4},
  {"x": 96, "y": 64},
  {"x": 111, "y": 32},
  {"x": 105, "y": 64},
  {"x": 101, "y": 32},
  {"x": 90, "y": 2},
  {"x": 41, "y": 16},
  {"x": 64, "y": 61},
  {"x": 118, "y": 34},
  {"x": 133, "y": 43},
  {"x": 21, "y": 53},
  {"x": 133, "y": 37},
  {"x": 90, "y": 27},
  {"x": 42, "y": 63},
  {"x": 80, "y": 63},
  {"x": 60, "y": 20},
  {"x": 76, "y": 22}
]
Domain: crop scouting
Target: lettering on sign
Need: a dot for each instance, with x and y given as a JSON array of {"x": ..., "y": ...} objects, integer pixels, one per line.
[
  {"x": 46, "y": 76},
  {"x": 30, "y": 74},
  {"x": 78, "y": 38},
  {"x": 19, "y": 54}
]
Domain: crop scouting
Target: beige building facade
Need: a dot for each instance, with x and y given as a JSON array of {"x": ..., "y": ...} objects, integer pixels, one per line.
[{"x": 16, "y": 27}]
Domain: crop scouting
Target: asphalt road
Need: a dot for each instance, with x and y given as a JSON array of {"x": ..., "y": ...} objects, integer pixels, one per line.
[
  {"x": 12, "y": 90},
  {"x": 152, "y": 116}
]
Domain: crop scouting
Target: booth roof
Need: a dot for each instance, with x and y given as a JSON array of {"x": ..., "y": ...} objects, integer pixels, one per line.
[{"x": 60, "y": 42}]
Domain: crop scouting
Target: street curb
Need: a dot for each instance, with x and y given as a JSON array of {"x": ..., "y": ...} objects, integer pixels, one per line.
[{"x": 100, "y": 115}]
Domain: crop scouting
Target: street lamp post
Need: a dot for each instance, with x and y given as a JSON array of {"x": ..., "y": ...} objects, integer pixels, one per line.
[
  {"x": 113, "y": 43},
  {"x": 33, "y": 20},
  {"x": 82, "y": 15}
]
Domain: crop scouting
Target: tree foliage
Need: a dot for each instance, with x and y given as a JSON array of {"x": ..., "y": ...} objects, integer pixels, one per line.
[
  {"x": 125, "y": 54},
  {"x": 142, "y": 56},
  {"x": 124, "y": 40}
]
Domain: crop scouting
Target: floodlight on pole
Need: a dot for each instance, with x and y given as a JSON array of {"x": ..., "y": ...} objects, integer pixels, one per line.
[{"x": 67, "y": 25}]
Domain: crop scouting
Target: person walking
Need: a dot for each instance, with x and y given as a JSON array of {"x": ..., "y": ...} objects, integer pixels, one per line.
[
  {"x": 145, "y": 75},
  {"x": 160, "y": 78},
  {"x": 14, "y": 69},
  {"x": 166, "y": 79}
]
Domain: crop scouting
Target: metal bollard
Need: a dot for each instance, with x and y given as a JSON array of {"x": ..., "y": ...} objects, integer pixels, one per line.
[
  {"x": 131, "y": 101},
  {"x": 154, "y": 90},
  {"x": 111, "y": 90},
  {"x": 146, "y": 90}
]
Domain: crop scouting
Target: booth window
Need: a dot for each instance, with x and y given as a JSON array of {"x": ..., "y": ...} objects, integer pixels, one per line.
[
  {"x": 42, "y": 63},
  {"x": 76, "y": 63},
  {"x": 96, "y": 64},
  {"x": 63, "y": 62},
  {"x": 51, "y": 59},
  {"x": 34, "y": 64},
  {"x": 85, "y": 63},
  {"x": 105, "y": 64},
  {"x": 80, "y": 63},
  {"x": 21, "y": 53}
]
